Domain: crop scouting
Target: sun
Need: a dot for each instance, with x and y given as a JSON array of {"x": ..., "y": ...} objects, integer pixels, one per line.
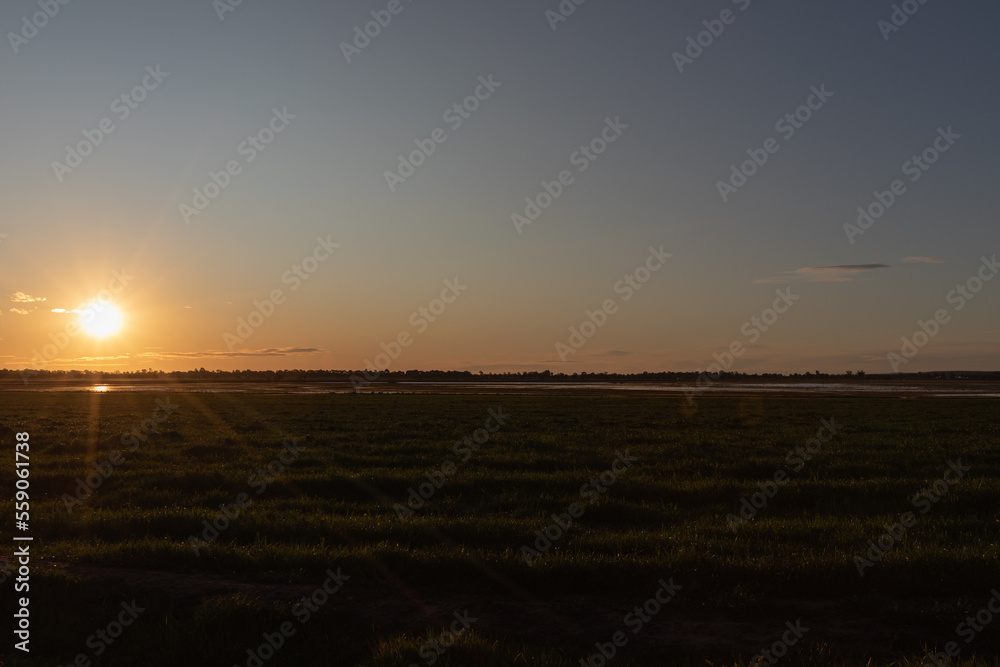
[{"x": 101, "y": 320}]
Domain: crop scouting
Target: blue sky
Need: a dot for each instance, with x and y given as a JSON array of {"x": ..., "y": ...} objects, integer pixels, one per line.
[{"x": 324, "y": 176}]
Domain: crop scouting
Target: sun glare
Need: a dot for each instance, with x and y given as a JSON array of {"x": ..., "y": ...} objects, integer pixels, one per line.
[{"x": 101, "y": 320}]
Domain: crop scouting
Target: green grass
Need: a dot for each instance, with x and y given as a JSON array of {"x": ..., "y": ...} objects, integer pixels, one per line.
[{"x": 664, "y": 517}]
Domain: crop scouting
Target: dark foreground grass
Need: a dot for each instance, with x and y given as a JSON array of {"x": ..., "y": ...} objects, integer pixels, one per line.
[{"x": 664, "y": 517}]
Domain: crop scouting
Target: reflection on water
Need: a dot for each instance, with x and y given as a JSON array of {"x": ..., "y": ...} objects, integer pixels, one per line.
[{"x": 101, "y": 388}]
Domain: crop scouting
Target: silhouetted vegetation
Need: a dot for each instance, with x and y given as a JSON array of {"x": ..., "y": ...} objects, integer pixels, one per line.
[{"x": 389, "y": 376}]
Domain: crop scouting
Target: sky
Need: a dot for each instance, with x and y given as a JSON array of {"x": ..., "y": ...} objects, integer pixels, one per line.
[{"x": 620, "y": 188}]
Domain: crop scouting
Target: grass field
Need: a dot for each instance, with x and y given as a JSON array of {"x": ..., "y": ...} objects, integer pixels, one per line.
[{"x": 406, "y": 577}]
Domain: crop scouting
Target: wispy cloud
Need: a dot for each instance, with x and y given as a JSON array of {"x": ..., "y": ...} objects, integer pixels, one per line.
[
  {"x": 113, "y": 360},
  {"x": 925, "y": 260},
  {"x": 126, "y": 359},
  {"x": 18, "y": 311},
  {"x": 840, "y": 273},
  {"x": 596, "y": 354},
  {"x": 21, "y": 297},
  {"x": 222, "y": 354}
]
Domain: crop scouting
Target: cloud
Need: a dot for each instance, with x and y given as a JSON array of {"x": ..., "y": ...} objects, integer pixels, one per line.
[
  {"x": 588, "y": 356},
  {"x": 840, "y": 273},
  {"x": 21, "y": 297},
  {"x": 222, "y": 354},
  {"x": 925, "y": 260},
  {"x": 63, "y": 310},
  {"x": 121, "y": 359},
  {"x": 18, "y": 311}
]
